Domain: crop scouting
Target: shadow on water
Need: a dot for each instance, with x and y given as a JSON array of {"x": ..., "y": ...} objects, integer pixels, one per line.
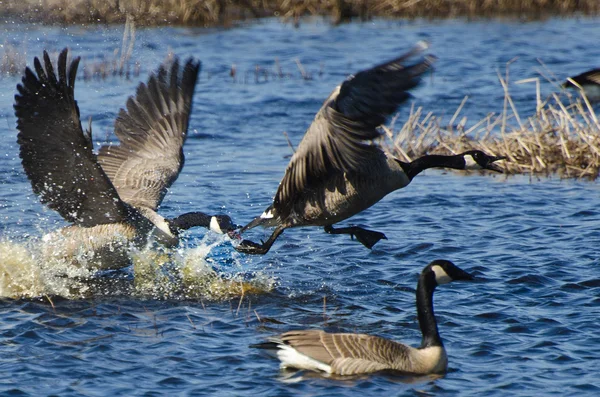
[{"x": 295, "y": 376}]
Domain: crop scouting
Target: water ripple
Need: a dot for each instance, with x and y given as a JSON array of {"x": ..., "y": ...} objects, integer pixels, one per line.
[{"x": 527, "y": 325}]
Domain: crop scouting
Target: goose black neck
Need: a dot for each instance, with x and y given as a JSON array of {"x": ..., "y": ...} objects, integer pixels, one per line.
[
  {"x": 427, "y": 322},
  {"x": 191, "y": 219},
  {"x": 419, "y": 165}
]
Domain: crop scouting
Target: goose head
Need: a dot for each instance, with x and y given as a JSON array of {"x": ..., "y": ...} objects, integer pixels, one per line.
[
  {"x": 221, "y": 224},
  {"x": 478, "y": 160},
  {"x": 444, "y": 271}
]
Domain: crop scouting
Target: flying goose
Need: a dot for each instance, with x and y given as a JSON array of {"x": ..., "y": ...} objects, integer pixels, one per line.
[
  {"x": 338, "y": 171},
  {"x": 351, "y": 354},
  {"x": 588, "y": 81},
  {"x": 111, "y": 198}
]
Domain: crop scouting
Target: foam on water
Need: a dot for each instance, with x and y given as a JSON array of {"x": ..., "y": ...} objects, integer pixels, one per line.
[
  {"x": 26, "y": 271},
  {"x": 20, "y": 274},
  {"x": 189, "y": 273}
]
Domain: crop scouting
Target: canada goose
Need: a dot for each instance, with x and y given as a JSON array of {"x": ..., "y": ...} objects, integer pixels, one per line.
[
  {"x": 338, "y": 171},
  {"x": 351, "y": 354},
  {"x": 588, "y": 81},
  {"x": 111, "y": 198}
]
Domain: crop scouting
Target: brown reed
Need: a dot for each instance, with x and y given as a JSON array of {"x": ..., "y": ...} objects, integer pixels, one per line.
[{"x": 561, "y": 138}]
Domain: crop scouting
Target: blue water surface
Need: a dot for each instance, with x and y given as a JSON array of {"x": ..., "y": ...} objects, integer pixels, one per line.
[{"x": 528, "y": 326}]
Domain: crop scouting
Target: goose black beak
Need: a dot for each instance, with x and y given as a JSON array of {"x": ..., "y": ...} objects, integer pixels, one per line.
[
  {"x": 493, "y": 167},
  {"x": 234, "y": 233},
  {"x": 464, "y": 276}
]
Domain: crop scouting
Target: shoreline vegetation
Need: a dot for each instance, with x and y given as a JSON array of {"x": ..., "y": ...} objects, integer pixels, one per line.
[
  {"x": 562, "y": 137},
  {"x": 227, "y": 12}
]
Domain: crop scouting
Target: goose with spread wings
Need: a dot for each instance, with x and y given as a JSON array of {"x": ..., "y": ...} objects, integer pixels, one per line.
[
  {"x": 110, "y": 198},
  {"x": 338, "y": 170}
]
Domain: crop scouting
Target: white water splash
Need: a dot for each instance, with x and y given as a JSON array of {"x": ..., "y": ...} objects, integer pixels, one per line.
[{"x": 28, "y": 271}]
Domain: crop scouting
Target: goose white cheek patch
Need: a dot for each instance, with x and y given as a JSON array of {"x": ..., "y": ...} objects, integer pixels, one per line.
[
  {"x": 471, "y": 164},
  {"x": 441, "y": 277},
  {"x": 214, "y": 225}
]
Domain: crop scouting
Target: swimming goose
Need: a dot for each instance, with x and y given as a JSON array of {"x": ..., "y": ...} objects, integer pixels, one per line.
[
  {"x": 351, "y": 354},
  {"x": 588, "y": 81},
  {"x": 110, "y": 198},
  {"x": 338, "y": 171}
]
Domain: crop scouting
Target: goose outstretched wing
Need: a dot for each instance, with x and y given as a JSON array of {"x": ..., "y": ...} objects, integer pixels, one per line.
[
  {"x": 151, "y": 132},
  {"x": 56, "y": 154},
  {"x": 340, "y": 137}
]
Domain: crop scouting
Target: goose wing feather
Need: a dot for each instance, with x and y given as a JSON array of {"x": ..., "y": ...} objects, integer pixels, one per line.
[
  {"x": 340, "y": 137},
  {"x": 56, "y": 154},
  {"x": 151, "y": 132},
  {"x": 347, "y": 353},
  {"x": 591, "y": 76},
  {"x": 594, "y": 76}
]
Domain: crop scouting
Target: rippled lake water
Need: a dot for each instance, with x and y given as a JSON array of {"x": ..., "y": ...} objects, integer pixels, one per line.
[{"x": 528, "y": 326}]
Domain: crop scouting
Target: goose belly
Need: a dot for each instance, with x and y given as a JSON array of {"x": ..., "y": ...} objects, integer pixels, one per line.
[
  {"x": 100, "y": 247},
  {"x": 345, "y": 196}
]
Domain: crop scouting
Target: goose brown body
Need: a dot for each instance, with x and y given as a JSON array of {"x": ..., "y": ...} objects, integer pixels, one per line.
[
  {"x": 341, "y": 194},
  {"x": 352, "y": 354}
]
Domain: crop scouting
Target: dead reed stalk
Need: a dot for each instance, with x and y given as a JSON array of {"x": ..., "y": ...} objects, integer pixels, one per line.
[
  {"x": 13, "y": 60},
  {"x": 119, "y": 65},
  {"x": 559, "y": 139}
]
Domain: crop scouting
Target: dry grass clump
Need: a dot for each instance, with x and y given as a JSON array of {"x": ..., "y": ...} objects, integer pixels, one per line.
[
  {"x": 559, "y": 139},
  {"x": 224, "y": 12},
  {"x": 149, "y": 12},
  {"x": 481, "y": 8}
]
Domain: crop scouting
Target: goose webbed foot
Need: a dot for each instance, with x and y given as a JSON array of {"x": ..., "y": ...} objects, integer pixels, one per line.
[
  {"x": 368, "y": 238},
  {"x": 250, "y": 247}
]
